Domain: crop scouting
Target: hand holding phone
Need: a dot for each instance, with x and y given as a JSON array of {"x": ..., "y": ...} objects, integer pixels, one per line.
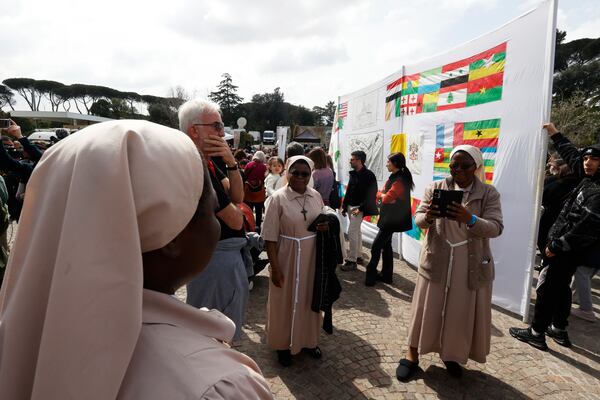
[
  {"x": 4, "y": 123},
  {"x": 444, "y": 198}
]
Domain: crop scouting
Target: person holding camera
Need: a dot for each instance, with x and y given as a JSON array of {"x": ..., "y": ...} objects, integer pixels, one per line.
[
  {"x": 452, "y": 303},
  {"x": 223, "y": 285}
]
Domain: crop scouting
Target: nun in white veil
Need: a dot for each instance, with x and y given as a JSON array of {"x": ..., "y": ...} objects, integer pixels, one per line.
[{"x": 116, "y": 218}]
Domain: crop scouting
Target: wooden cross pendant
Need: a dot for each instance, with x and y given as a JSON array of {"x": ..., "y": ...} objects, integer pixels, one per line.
[{"x": 304, "y": 213}]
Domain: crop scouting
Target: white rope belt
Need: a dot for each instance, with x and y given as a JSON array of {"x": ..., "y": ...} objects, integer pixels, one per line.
[
  {"x": 448, "y": 278},
  {"x": 298, "y": 258}
]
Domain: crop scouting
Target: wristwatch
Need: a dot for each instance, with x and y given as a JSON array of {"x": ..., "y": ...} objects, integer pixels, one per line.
[{"x": 234, "y": 167}]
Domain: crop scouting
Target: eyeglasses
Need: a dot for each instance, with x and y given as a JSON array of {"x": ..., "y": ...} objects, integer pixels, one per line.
[
  {"x": 299, "y": 174},
  {"x": 217, "y": 126},
  {"x": 463, "y": 166}
]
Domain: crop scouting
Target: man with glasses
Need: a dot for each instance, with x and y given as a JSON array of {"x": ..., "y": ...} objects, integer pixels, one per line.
[
  {"x": 359, "y": 202},
  {"x": 223, "y": 285}
]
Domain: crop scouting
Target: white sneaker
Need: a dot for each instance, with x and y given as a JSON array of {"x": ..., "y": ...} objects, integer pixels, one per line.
[{"x": 585, "y": 315}]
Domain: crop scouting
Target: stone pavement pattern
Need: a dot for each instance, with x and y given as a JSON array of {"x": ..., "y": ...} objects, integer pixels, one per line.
[{"x": 370, "y": 328}]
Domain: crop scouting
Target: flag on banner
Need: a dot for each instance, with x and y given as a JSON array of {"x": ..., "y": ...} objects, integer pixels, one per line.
[
  {"x": 392, "y": 99},
  {"x": 482, "y": 134},
  {"x": 486, "y": 76},
  {"x": 416, "y": 232},
  {"x": 465, "y": 83},
  {"x": 341, "y": 113},
  {"x": 398, "y": 144}
]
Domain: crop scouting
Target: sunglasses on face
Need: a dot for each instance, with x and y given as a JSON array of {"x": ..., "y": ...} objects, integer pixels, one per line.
[
  {"x": 217, "y": 126},
  {"x": 300, "y": 174},
  {"x": 463, "y": 166}
]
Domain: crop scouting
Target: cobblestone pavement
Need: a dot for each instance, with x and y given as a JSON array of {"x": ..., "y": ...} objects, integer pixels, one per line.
[{"x": 370, "y": 328}]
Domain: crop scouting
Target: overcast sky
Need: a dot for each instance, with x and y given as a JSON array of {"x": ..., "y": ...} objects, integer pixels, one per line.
[{"x": 314, "y": 50}]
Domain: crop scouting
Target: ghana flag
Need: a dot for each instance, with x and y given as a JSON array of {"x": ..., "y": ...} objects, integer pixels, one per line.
[{"x": 482, "y": 134}]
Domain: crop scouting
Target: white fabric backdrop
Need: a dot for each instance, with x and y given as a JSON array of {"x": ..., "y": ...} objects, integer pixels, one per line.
[{"x": 524, "y": 71}]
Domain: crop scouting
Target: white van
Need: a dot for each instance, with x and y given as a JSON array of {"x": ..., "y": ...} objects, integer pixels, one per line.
[{"x": 268, "y": 137}]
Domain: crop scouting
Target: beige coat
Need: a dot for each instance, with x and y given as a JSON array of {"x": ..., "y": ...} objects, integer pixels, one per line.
[
  {"x": 484, "y": 202},
  {"x": 181, "y": 354}
]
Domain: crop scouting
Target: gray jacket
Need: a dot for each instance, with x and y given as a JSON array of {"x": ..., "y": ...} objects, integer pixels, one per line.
[{"x": 484, "y": 202}]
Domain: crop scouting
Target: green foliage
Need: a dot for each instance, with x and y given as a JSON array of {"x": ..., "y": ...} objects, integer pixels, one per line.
[
  {"x": 226, "y": 97},
  {"x": 26, "y": 89},
  {"x": 577, "y": 120},
  {"x": 6, "y": 97},
  {"x": 163, "y": 114},
  {"x": 577, "y": 68}
]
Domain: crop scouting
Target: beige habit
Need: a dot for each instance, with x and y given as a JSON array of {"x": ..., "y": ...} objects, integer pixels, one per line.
[
  {"x": 291, "y": 324},
  {"x": 456, "y": 325},
  {"x": 75, "y": 322}
]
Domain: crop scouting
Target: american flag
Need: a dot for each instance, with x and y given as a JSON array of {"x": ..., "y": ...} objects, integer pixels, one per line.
[{"x": 343, "y": 110}]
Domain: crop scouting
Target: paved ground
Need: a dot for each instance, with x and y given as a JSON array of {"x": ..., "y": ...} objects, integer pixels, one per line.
[{"x": 370, "y": 325}]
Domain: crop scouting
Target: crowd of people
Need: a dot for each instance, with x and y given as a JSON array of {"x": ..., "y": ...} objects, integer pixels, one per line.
[{"x": 102, "y": 248}]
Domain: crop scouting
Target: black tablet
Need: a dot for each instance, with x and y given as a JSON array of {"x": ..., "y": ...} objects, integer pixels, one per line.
[{"x": 443, "y": 198}]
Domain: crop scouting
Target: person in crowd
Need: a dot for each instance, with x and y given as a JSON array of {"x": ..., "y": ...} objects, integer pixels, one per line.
[
  {"x": 125, "y": 247},
  {"x": 291, "y": 248},
  {"x": 274, "y": 180},
  {"x": 452, "y": 303},
  {"x": 359, "y": 202},
  {"x": 223, "y": 285},
  {"x": 574, "y": 240},
  {"x": 322, "y": 175},
  {"x": 395, "y": 216},
  {"x": 4, "y": 224},
  {"x": 18, "y": 166},
  {"x": 293, "y": 149},
  {"x": 242, "y": 160},
  {"x": 557, "y": 187},
  {"x": 254, "y": 187}
]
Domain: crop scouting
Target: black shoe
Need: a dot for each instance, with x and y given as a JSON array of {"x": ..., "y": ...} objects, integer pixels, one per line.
[
  {"x": 560, "y": 337},
  {"x": 525, "y": 335},
  {"x": 315, "y": 353},
  {"x": 284, "y": 357},
  {"x": 454, "y": 369},
  {"x": 348, "y": 266},
  {"x": 370, "y": 281},
  {"x": 406, "y": 370},
  {"x": 383, "y": 279}
]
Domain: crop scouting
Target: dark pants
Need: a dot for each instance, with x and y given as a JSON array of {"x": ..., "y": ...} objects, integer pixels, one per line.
[
  {"x": 553, "y": 302},
  {"x": 258, "y": 211},
  {"x": 382, "y": 246}
]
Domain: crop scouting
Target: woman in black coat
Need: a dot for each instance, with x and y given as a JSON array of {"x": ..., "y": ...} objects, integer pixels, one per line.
[{"x": 393, "y": 217}]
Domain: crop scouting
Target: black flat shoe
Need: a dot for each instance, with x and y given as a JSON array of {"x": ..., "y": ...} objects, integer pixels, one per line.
[
  {"x": 315, "y": 353},
  {"x": 454, "y": 368},
  {"x": 284, "y": 357},
  {"x": 560, "y": 337},
  {"x": 370, "y": 281},
  {"x": 383, "y": 279},
  {"x": 406, "y": 370}
]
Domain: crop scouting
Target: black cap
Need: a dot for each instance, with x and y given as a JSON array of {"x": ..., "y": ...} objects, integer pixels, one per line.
[{"x": 593, "y": 151}]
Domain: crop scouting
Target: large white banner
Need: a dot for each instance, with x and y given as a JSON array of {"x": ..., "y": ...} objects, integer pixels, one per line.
[{"x": 492, "y": 92}]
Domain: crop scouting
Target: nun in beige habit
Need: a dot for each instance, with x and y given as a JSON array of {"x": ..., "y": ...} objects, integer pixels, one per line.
[
  {"x": 451, "y": 306},
  {"x": 116, "y": 218}
]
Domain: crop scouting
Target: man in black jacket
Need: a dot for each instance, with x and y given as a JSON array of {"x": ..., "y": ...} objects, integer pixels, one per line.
[
  {"x": 359, "y": 202},
  {"x": 572, "y": 238}
]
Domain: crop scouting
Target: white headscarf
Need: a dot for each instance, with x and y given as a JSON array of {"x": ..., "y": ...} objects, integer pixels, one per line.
[
  {"x": 71, "y": 302},
  {"x": 476, "y": 155},
  {"x": 294, "y": 159}
]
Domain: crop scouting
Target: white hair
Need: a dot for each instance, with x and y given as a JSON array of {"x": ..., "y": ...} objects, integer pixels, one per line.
[
  {"x": 191, "y": 110},
  {"x": 260, "y": 156}
]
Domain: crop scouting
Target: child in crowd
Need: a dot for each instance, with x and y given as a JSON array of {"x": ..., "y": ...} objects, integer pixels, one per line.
[{"x": 273, "y": 180}]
